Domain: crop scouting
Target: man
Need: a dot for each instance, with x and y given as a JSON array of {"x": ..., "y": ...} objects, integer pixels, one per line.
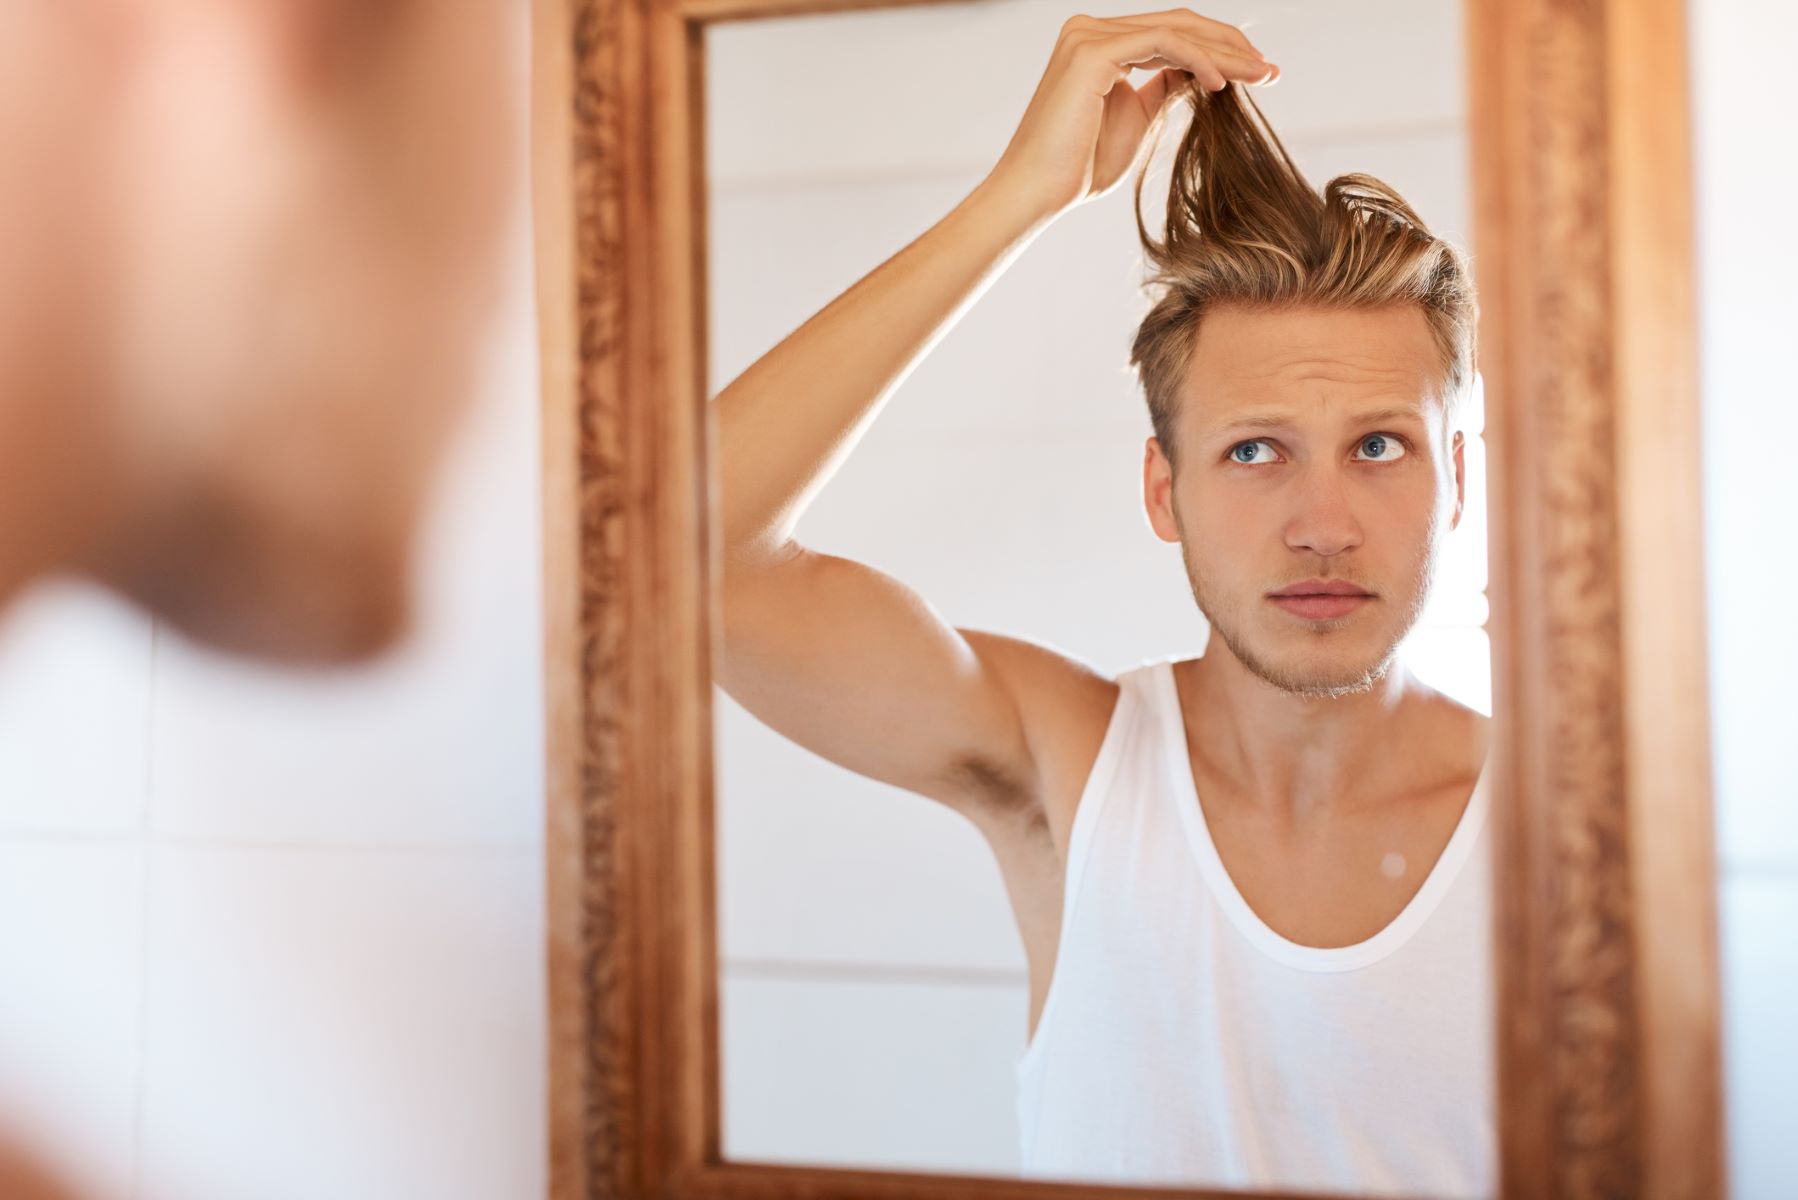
[
  {"x": 1249, "y": 885},
  {"x": 248, "y": 249}
]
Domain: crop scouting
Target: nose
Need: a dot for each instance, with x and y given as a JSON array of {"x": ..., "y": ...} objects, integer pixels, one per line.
[{"x": 1323, "y": 520}]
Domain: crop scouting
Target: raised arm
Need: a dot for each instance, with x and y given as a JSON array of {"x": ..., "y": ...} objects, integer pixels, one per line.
[{"x": 836, "y": 655}]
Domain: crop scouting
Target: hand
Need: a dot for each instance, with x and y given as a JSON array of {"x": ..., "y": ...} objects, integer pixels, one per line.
[{"x": 1086, "y": 125}]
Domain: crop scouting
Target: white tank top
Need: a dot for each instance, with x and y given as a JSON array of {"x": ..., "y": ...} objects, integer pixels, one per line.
[{"x": 1183, "y": 1041}]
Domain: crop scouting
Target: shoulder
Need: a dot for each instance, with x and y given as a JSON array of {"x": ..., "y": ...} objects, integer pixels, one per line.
[
  {"x": 1064, "y": 705},
  {"x": 1056, "y": 693}
]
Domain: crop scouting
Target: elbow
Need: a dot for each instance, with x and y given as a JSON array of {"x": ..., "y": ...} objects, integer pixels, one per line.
[{"x": 751, "y": 555}]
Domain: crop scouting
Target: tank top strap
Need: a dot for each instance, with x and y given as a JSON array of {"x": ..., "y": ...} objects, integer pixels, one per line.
[
  {"x": 1151, "y": 682},
  {"x": 1143, "y": 680},
  {"x": 1129, "y": 748},
  {"x": 1133, "y": 706}
]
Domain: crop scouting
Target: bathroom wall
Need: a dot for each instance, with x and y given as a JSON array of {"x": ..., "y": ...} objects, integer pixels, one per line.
[
  {"x": 280, "y": 935},
  {"x": 873, "y": 984},
  {"x": 1747, "y": 177}
]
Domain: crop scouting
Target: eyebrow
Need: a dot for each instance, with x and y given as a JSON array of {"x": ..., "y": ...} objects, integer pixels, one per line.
[{"x": 1282, "y": 421}]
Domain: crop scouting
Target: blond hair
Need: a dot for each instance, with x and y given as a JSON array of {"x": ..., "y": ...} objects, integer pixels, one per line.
[{"x": 1244, "y": 227}]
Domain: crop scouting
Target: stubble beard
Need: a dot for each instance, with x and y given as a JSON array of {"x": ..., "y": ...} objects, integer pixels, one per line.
[{"x": 1231, "y": 623}]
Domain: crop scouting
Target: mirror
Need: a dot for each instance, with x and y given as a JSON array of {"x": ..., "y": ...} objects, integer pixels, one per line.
[{"x": 1227, "y": 923}]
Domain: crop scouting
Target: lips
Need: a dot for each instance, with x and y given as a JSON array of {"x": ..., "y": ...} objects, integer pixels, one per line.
[
  {"x": 1320, "y": 599},
  {"x": 1317, "y": 608}
]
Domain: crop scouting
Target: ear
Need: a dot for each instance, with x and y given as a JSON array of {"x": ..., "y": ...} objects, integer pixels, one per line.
[
  {"x": 1158, "y": 492},
  {"x": 1460, "y": 478}
]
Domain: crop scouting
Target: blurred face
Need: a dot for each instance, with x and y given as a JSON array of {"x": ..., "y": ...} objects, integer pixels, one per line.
[
  {"x": 1312, "y": 445},
  {"x": 291, "y": 213}
]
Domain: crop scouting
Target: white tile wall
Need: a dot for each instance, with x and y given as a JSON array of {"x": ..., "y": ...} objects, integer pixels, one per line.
[
  {"x": 1760, "y": 973},
  {"x": 1747, "y": 173},
  {"x": 343, "y": 1023},
  {"x": 75, "y": 666},
  {"x": 908, "y": 1072},
  {"x": 71, "y": 983},
  {"x": 865, "y": 931},
  {"x": 915, "y": 881}
]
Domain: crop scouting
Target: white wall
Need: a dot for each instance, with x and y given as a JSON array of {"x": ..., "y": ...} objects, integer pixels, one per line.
[
  {"x": 1747, "y": 179},
  {"x": 874, "y": 993},
  {"x": 274, "y": 935}
]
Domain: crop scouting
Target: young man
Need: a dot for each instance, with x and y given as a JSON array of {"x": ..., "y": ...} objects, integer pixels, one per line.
[{"x": 1255, "y": 957}]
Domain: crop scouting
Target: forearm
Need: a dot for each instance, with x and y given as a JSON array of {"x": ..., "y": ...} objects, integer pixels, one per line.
[{"x": 785, "y": 424}]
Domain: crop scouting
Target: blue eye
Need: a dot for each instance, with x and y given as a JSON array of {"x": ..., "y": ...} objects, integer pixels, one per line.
[
  {"x": 1239, "y": 445},
  {"x": 1383, "y": 441}
]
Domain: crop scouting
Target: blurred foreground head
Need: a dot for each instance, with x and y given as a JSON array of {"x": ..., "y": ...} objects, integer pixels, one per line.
[{"x": 250, "y": 250}]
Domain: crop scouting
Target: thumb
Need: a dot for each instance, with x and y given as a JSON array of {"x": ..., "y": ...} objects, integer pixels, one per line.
[{"x": 1155, "y": 94}]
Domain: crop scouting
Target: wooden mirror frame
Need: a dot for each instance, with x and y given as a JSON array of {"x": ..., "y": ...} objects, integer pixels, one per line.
[{"x": 1608, "y": 1073}]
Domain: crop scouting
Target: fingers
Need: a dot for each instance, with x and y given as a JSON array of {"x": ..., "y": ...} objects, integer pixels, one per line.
[
  {"x": 1212, "y": 51},
  {"x": 1205, "y": 29},
  {"x": 1257, "y": 73},
  {"x": 1103, "y": 56},
  {"x": 1248, "y": 63},
  {"x": 1153, "y": 95}
]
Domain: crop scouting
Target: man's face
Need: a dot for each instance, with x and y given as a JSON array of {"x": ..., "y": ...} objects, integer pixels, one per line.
[{"x": 1331, "y": 487}]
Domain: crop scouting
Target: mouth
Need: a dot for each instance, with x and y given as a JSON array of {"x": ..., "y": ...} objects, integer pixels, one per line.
[
  {"x": 1320, "y": 598},
  {"x": 1321, "y": 606}
]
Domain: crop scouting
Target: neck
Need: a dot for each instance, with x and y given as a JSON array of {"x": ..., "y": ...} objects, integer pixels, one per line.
[{"x": 1302, "y": 758}]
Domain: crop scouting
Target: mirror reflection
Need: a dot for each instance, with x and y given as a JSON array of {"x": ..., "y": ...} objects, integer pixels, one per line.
[{"x": 1102, "y": 689}]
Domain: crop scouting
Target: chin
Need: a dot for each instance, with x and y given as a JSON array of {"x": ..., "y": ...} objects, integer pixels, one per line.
[
  {"x": 294, "y": 596},
  {"x": 1350, "y": 672},
  {"x": 1316, "y": 670},
  {"x": 333, "y": 622}
]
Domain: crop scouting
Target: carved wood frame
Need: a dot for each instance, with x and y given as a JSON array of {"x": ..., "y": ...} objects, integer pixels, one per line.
[{"x": 1607, "y": 1039}]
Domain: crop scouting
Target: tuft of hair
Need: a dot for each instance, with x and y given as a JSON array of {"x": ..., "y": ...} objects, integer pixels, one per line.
[{"x": 1244, "y": 227}]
